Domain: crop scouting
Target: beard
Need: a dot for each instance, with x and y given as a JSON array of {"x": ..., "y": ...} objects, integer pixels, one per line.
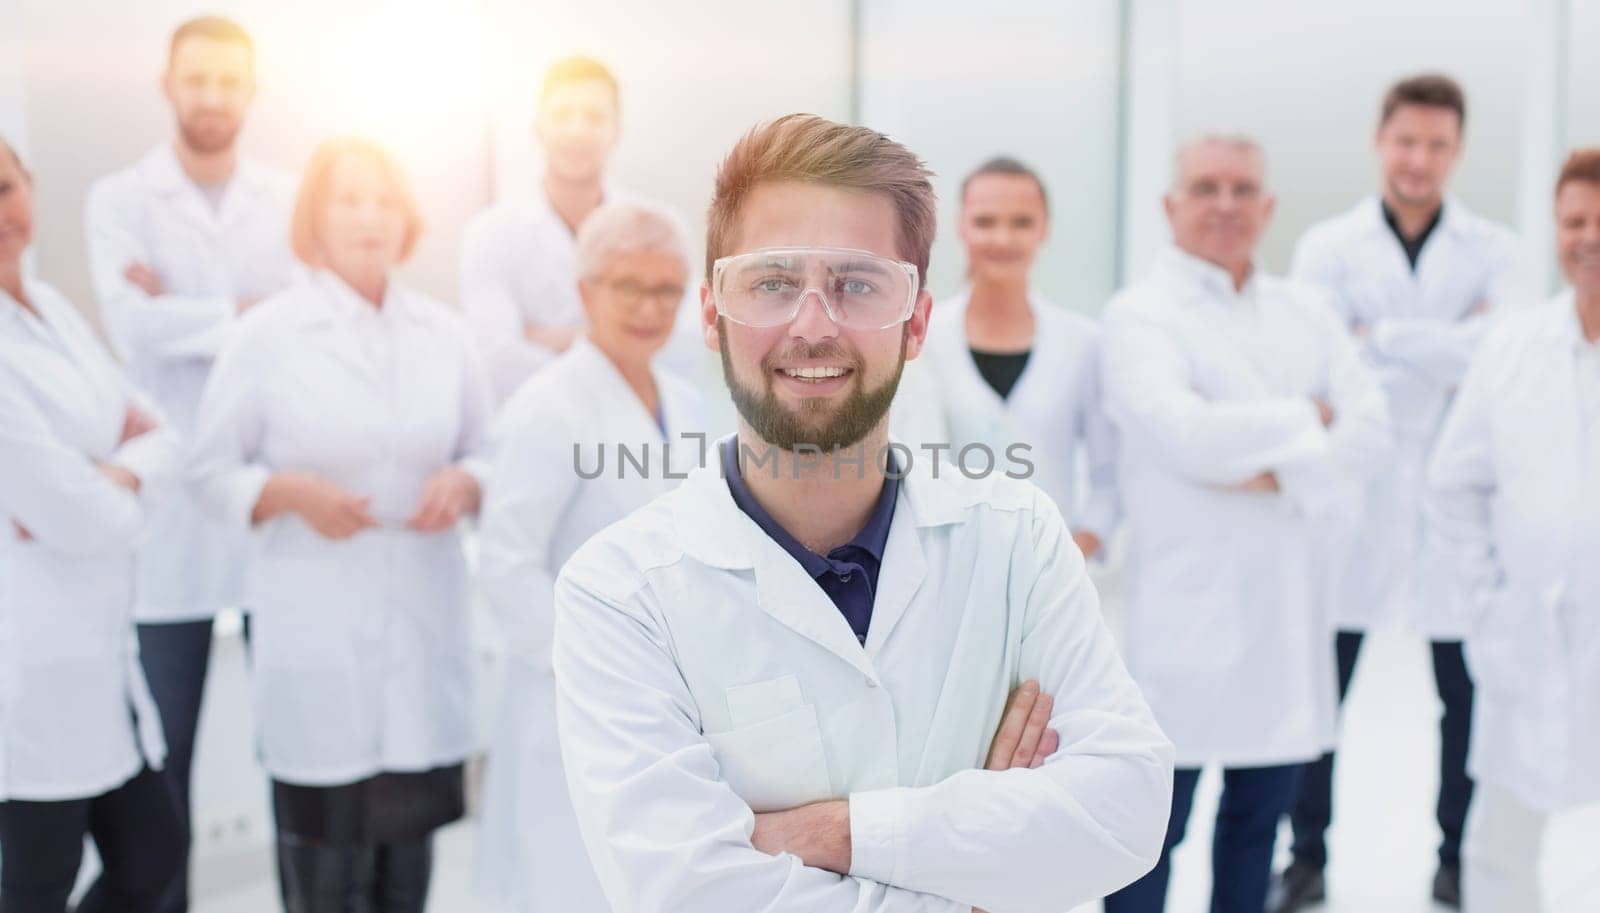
[
  {"x": 811, "y": 425},
  {"x": 207, "y": 134}
]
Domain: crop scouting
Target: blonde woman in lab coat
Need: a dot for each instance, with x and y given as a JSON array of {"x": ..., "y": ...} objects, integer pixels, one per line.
[
  {"x": 1010, "y": 368},
  {"x": 80, "y": 741},
  {"x": 560, "y": 477},
  {"x": 346, "y": 424}
]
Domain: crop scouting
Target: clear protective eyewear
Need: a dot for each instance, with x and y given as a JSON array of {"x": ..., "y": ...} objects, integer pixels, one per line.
[{"x": 858, "y": 290}]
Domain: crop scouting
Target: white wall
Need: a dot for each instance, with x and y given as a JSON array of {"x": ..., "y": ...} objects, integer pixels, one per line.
[
  {"x": 1583, "y": 92},
  {"x": 92, "y": 74},
  {"x": 1308, "y": 78},
  {"x": 1034, "y": 79}
]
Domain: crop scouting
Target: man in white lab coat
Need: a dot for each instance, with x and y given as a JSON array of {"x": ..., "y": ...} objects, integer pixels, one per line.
[
  {"x": 180, "y": 244},
  {"x": 1513, "y": 499},
  {"x": 519, "y": 258},
  {"x": 1414, "y": 276},
  {"x": 779, "y": 687},
  {"x": 1248, "y": 425}
]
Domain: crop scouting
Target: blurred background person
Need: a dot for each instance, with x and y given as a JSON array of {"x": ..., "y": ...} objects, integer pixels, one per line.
[
  {"x": 346, "y": 422},
  {"x": 577, "y": 415},
  {"x": 1008, "y": 367},
  {"x": 1514, "y": 502},
  {"x": 81, "y": 456},
  {"x": 519, "y": 260},
  {"x": 180, "y": 244},
  {"x": 1414, "y": 276},
  {"x": 1248, "y": 423}
]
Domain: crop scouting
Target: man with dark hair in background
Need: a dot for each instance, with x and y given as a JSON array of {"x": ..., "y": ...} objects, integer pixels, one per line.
[{"x": 1414, "y": 276}]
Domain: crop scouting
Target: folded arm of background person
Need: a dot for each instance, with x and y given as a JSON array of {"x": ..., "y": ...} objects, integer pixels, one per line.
[
  {"x": 142, "y": 326},
  {"x": 489, "y": 303},
  {"x": 1151, "y": 396},
  {"x": 59, "y": 496},
  {"x": 668, "y": 834},
  {"x": 1439, "y": 349}
]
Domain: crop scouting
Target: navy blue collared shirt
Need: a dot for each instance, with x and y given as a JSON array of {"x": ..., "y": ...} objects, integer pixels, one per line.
[{"x": 849, "y": 573}]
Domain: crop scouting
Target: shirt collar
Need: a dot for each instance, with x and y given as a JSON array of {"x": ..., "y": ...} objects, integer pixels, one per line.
[
  {"x": 1207, "y": 274},
  {"x": 872, "y": 538},
  {"x": 348, "y": 305}
]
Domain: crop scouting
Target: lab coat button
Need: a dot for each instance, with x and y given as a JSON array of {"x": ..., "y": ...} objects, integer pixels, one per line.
[{"x": 872, "y": 683}]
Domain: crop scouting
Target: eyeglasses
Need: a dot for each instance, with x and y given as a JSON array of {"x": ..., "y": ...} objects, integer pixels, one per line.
[
  {"x": 632, "y": 294},
  {"x": 859, "y": 290}
]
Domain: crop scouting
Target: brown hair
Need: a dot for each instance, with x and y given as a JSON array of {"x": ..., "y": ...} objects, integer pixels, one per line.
[
  {"x": 304, "y": 231},
  {"x": 216, "y": 28},
  {"x": 569, "y": 70},
  {"x": 814, "y": 150},
  {"x": 1429, "y": 90},
  {"x": 1581, "y": 165},
  {"x": 1006, "y": 165}
]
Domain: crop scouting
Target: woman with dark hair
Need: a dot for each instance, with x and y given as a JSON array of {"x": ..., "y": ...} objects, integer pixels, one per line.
[
  {"x": 1014, "y": 369},
  {"x": 80, "y": 742}
]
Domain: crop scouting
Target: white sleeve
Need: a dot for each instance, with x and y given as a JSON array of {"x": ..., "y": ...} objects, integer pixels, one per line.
[
  {"x": 665, "y": 833},
  {"x": 1360, "y": 439},
  {"x": 225, "y": 470},
  {"x": 472, "y": 451},
  {"x": 143, "y": 326},
  {"x": 534, "y": 482},
  {"x": 1102, "y": 508},
  {"x": 1442, "y": 349},
  {"x": 489, "y": 303},
  {"x": 1149, "y": 397},
  {"x": 55, "y": 492},
  {"x": 1088, "y": 822},
  {"x": 1457, "y": 497},
  {"x": 1315, "y": 264}
]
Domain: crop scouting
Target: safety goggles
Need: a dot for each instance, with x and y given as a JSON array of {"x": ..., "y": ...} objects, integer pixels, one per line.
[{"x": 858, "y": 290}]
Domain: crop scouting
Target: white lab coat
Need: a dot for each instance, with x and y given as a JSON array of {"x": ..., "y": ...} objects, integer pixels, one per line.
[
  {"x": 70, "y": 661},
  {"x": 151, "y": 212},
  {"x": 359, "y": 656},
  {"x": 1055, "y": 408},
  {"x": 1422, "y": 329},
  {"x": 519, "y": 265},
  {"x": 701, "y": 676},
  {"x": 568, "y": 418},
  {"x": 1209, "y": 388},
  {"x": 1514, "y": 508}
]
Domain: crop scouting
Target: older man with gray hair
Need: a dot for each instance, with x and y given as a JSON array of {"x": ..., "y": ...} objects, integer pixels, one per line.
[
  {"x": 1248, "y": 422},
  {"x": 584, "y": 442}
]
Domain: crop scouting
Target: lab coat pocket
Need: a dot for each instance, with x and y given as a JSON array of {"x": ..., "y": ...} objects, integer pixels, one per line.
[{"x": 775, "y": 764}]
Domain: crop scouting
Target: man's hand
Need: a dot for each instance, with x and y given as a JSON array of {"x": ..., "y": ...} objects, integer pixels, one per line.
[
  {"x": 120, "y": 476},
  {"x": 1088, "y": 543},
  {"x": 136, "y": 422},
  {"x": 448, "y": 494},
  {"x": 1324, "y": 411},
  {"x": 1024, "y": 738},
  {"x": 1266, "y": 483},
  {"x": 818, "y": 833},
  {"x": 245, "y": 304},
  {"x": 147, "y": 279}
]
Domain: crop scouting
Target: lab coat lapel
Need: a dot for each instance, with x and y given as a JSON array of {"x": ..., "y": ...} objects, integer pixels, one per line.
[
  {"x": 327, "y": 329},
  {"x": 166, "y": 178},
  {"x": 784, "y": 591},
  {"x": 900, "y": 575}
]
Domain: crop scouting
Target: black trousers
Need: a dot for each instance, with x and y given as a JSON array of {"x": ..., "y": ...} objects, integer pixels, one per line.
[
  {"x": 176, "y": 656},
  {"x": 1314, "y": 809},
  {"x": 1254, "y": 800},
  {"x": 135, "y": 827}
]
